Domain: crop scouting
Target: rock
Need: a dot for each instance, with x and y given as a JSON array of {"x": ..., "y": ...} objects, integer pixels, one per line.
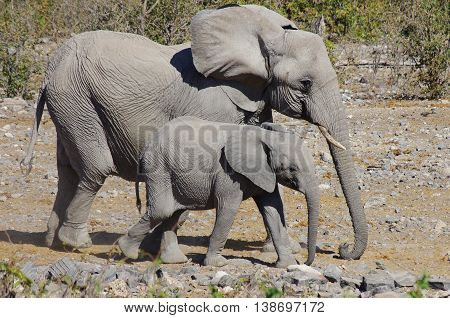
[
  {"x": 361, "y": 267},
  {"x": 16, "y": 195},
  {"x": 15, "y": 104},
  {"x": 118, "y": 288},
  {"x": 380, "y": 290},
  {"x": 390, "y": 294},
  {"x": 366, "y": 294},
  {"x": 9, "y": 135},
  {"x": 226, "y": 280},
  {"x": 325, "y": 157},
  {"x": 403, "y": 279},
  {"x": 375, "y": 202},
  {"x": 174, "y": 283},
  {"x": 202, "y": 279},
  {"x": 63, "y": 267},
  {"x": 333, "y": 273},
  {"x": 227, "y": 289},
  {"x": 439, "y": 283},
  {"x": 89, "y": 267},
  {"x": 149, "y": 277},
  {"x": 303, "y": 275},
  {"x": 351, "y": 282},
  {"x": 439, "y": 226},
  {"x": 189, "y": 270},
  {"x": 33, "y": 272},
  {"x": 3, "y": 198},
  {"x": 108, "y": 275},
  {"x": 324, "y": 186},
  {"x": 217, "y": 277},
  {"x": 130, "y": 276},
  {"x": 239, "y": 262},
  {"x": 377, "y": 279},
  {"x": 390, "y": 219},
  {"x": 380, "y": 265}
]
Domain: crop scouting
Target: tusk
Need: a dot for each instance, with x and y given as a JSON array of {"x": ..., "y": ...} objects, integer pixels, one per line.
[{"x": 328, "y": 137}]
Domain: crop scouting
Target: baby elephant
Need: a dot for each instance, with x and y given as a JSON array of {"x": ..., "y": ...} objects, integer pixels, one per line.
[{"x": 192, "y": 164}]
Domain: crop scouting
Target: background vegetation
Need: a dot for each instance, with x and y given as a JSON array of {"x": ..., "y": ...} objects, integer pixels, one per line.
[{"x": 413, "y": 29}]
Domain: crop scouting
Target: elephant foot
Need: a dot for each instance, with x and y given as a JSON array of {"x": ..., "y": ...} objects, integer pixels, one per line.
[
  {"x": 285, "y": 262},
  {"x": 170, "y": 250},
  {"x": 129, "y": 246},
  {"x": 77, "y": 237},
  {"x": 215, "y": 260},
  {"x": 293, "y": 244},
  {"x": 52, "y": 228}
]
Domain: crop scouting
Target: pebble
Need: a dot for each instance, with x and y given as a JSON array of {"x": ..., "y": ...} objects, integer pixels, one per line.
[
  {"x": 324, "y": 186},
  {"x": 303, "y": 274},
  {"x": 439, "y": 283},
  {"x": 390, "y": 294},
  {"x": 375, "y": 202},
  {"x": 439, "y": 227},
  {"x": 218, "y": 276},
  {"x": 9, "y": 135},
  {"x": 239, "y": 262}
]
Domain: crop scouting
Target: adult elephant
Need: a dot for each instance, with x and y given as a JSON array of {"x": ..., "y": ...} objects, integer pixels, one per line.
[{"x": 102, "y": 88}]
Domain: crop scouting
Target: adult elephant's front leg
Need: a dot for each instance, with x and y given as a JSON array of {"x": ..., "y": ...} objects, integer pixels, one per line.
[{"x": 268, "y": 242}]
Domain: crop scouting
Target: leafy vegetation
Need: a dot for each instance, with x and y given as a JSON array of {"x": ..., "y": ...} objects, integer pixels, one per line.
[
  {"x": 417, "y": 29},
  {"x": 12, "y": 279},
  {"x": 421, "y": 284}
]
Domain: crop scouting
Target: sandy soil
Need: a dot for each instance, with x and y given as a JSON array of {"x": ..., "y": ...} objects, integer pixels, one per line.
[{"x": 411, "y": 138}]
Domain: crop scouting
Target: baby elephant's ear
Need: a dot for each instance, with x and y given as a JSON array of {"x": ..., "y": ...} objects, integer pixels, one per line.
[{"x": 247, "y": 155}]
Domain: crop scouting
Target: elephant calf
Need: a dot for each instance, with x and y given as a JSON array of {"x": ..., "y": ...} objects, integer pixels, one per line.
[{"x": 193, "y": 164}]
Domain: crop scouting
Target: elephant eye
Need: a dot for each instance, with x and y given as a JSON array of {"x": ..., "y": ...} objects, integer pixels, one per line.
[{"x": 306, "y": 84}]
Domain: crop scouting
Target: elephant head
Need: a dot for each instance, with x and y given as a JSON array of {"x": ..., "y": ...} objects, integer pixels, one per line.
[
  {"x": 274, "y": 155},
  {"x": 263, "y": 60}
]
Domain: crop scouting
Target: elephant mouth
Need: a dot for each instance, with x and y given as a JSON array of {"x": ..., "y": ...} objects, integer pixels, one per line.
[{"x": 330, "y": 138}]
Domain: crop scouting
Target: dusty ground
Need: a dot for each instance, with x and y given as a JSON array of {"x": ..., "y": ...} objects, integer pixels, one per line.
[{"x": 402, "y": 157}]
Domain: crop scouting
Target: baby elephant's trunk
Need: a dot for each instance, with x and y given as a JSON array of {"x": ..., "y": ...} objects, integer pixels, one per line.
[{"x": 313, "y": 202}]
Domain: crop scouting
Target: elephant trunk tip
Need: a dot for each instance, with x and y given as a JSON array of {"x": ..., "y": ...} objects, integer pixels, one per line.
[
  {"x": 310, "y": 260},
  {"x": 355, "y": 253}
]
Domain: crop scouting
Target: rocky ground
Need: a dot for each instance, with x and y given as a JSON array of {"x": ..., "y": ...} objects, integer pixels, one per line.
[{"x": 402, "y": 159}]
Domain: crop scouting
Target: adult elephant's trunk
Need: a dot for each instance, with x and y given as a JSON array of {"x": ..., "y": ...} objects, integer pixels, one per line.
[
  {"x": 336, "y": 125},
  {"x": 313, "y": 202}
]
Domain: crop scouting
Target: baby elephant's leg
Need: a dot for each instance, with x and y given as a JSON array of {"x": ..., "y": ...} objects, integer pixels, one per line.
[
  {"x": 130, "y": 242},
  {"x": 225, "y": 214}
]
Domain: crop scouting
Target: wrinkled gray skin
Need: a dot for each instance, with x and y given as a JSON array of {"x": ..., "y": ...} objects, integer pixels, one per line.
[
  {"x": 193, "y": 164},
  {"x": 103, "y": 88}
]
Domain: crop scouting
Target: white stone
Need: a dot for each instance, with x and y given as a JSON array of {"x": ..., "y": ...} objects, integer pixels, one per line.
[{"x": 218, "y": 276}]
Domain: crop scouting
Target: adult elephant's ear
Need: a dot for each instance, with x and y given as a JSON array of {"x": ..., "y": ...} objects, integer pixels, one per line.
[
  {"x": 246, "y": 154},
  {"x": 234, "y": 44}
]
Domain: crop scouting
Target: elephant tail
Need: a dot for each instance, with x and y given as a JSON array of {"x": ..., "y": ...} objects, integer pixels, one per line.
[
  {"x": 138, "y": 198},
  {"x": 26, "y": 162}
]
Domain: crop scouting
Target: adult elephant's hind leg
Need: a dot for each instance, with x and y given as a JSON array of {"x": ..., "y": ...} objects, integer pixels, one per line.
[
  {"x": 67, "y": 186},
  {"x": 74, "y": 230}
]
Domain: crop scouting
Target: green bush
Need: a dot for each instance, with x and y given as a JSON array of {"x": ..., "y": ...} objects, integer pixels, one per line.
[
  {"x": 424, "y": 35},
  {"x": 417, "y": 29}
]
